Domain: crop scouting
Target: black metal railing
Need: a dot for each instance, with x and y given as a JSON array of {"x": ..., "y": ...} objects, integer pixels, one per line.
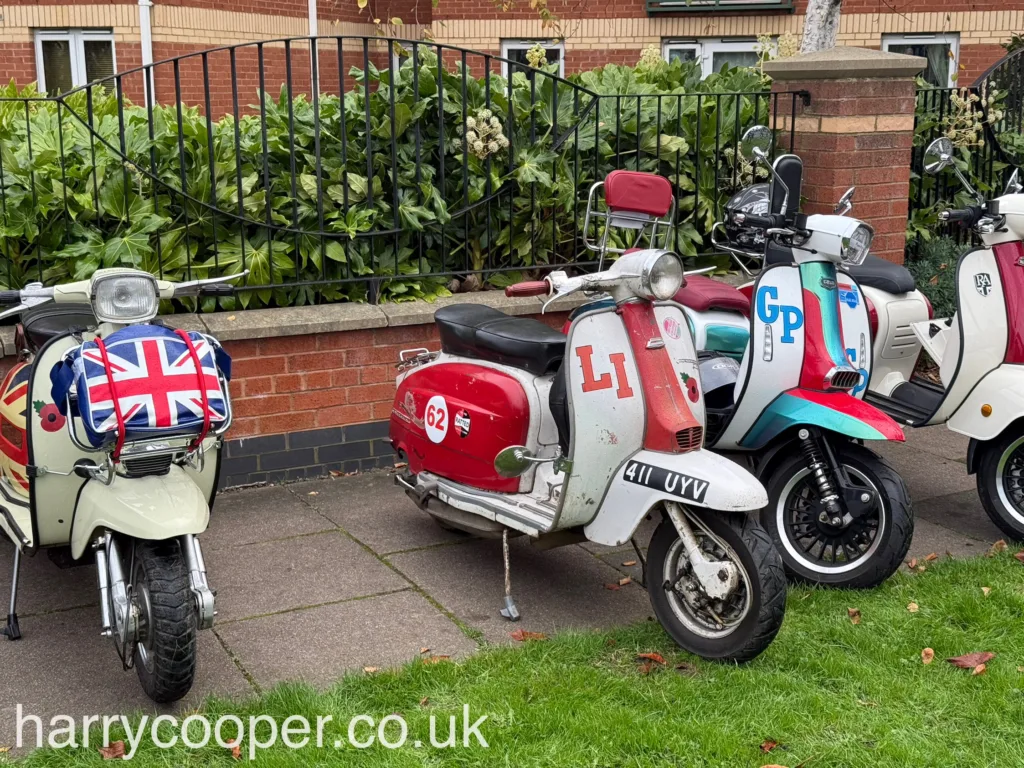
[{"x": 346, "y": 168}]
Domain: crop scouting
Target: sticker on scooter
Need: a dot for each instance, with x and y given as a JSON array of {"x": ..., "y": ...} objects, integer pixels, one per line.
[
  {"x": 672, "y": 328},
  {"x": 658, "y": 479},
  {"x": 792, "y": 317},
  {"x": 592, "y": 383},
  {"x": 848, "y": 295},
  {"x": 983, "y": 282},
  {"x": 463, "y": 422},
  {"x": 435, "y": 419}
]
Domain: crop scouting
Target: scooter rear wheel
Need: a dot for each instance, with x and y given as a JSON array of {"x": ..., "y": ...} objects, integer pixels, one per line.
[
  {"x": 1001, "y": 482},
  {"x": 165, "y": 655},
  {"x": 762, "y": 591}
]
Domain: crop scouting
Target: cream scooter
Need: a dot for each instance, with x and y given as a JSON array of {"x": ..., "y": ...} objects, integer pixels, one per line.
[{"x": 136, "y": 504}]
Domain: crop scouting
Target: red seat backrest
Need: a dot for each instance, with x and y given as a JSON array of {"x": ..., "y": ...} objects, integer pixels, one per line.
[{"x": 639, "y": 192}]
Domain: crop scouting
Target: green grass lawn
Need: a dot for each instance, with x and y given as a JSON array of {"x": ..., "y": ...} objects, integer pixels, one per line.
[{"x": 831, "y": 693}]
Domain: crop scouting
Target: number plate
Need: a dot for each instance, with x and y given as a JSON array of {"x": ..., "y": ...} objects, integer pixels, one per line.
[{"x": 674, "y": 483}]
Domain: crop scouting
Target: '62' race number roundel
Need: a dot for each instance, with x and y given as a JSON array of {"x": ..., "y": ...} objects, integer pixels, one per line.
[{"x": 435, "y": 419}]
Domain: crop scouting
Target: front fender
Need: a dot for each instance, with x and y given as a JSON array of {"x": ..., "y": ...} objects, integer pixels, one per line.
[
  {"x": 1003, "y": 390},
  {"x": 154, "y": 508},
  {"x": 837, "y": 412},
  {"x": 647, "y": 478}
]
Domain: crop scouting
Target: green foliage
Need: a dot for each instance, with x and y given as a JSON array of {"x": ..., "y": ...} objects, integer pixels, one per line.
[
  {"x": 934, "y": 271},
  {"x": 90, "y": 194}
]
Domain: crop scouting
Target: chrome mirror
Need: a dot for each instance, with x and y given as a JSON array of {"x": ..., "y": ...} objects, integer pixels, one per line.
[
  {"x": 939, "y": 155},
  {"x": 1013, "y": 186},
  {"x": 513, "y": 461},
  {"x": 845, "y": 204},
  {"x": 756, "y": 142}
]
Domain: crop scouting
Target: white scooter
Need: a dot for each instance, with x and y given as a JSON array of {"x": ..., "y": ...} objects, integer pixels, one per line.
[
  {"x": 514, "y": 427},
  {"x": 123, "y": 463}
]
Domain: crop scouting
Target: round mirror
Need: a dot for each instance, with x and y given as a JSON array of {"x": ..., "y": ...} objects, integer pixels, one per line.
[
  {"x": 513, "y": 461},
  {"x": 756, "y": 142},
  {"x": 938, "y": 155},
  {"x": 1013, "y": 186}
]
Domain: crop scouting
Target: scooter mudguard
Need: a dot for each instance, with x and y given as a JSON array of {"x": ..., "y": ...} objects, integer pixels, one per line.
[
  {"x": 697, "y": 479},
  {"x": 837, "y": 412},
  {"x": 1003, "y": 391},
  {"x": 155, "y": 508}
]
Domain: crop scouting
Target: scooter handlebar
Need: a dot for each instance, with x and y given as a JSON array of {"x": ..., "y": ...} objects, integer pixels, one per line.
[
  {"x": 968, "y": 217},
  {"x": 529, "y": 288},
  {"x": 10, "y": 297}
]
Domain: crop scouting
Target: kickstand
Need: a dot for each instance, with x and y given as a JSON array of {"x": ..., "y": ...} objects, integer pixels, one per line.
[
  {"x": 510, "y": 611},
  {"x": 12, "y": 631},
  {"x": 643, "y": 562}
]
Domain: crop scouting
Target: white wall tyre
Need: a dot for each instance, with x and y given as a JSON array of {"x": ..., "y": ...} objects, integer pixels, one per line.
[
  {"x": 860, "y": 555},
  {"x": 760, "y": 600},
  {"x": 1000, "y": 481}
]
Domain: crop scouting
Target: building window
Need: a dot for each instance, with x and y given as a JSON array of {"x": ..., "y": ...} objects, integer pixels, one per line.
[
  {"x": 941, "y": 51},
  {"x": 713, "y": 53},
  {"x": 515, "y": 52},
  {"x": 68, "y": 58}
]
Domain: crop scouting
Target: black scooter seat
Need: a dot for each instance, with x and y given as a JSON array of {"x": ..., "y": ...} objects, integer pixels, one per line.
[
  {"x": 875, "y": 272},
  {"x": 484, "y": 333}
]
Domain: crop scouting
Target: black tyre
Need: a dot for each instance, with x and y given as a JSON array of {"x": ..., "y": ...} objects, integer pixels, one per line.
[
  {"x": 165, "y": 656},
  {"x": 750, "y": 617},
  {"x": 861, "y": 553},
  {"x": 1000, "y": 481}
]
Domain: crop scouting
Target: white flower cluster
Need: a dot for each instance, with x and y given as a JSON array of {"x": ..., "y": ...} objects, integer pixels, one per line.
[
  {"x": 965, "y": 123},
  {"x": 483, "y": 135}
]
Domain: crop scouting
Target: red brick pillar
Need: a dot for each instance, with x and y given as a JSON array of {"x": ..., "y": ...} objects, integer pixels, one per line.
[{"x": 858, "y": 130}]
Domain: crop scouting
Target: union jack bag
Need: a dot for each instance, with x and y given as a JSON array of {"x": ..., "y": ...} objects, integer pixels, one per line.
[{"x": 144, "y": 377}]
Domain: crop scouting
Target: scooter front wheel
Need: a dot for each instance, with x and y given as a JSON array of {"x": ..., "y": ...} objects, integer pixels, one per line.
[
  {"x": 859, "y": 553},
  {"x": 165, "y": 654},
  {"x": 1001, "y": 482},
  {"x": 743, "y": 625}
]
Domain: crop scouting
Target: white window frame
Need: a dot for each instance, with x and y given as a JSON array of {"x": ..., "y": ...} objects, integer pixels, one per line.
[
  {"x": 76, "y": 37},
  {"x": 524, "y": 45},
  {"x": 705, "y": 49},
  {"x": 952, "y": 39}
]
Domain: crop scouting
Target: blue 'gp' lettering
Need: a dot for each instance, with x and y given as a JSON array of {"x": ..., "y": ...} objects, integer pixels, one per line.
[{"x": 792, "y": 317}]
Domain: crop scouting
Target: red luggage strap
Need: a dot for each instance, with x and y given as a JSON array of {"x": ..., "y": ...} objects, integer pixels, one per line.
[
  {"x": 203, "y": 397},
  {"x": 113, "y": 396}
]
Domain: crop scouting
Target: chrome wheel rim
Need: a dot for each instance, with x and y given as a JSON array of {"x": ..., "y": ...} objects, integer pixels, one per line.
[
  {"x": 1010, "y": 480},
  {"x": 818, "y": 547}
]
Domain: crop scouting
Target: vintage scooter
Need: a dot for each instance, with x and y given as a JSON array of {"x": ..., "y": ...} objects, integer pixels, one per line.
[
  {"x": 515, "y": 428},
  {"x": 110, "y": 437}
]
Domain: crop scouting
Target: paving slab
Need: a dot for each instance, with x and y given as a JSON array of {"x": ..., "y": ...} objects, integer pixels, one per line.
[
  {"x": 45, "y": 587},
  {"x": 960, "y": 513},
  {"x": 554, "y": 590},
  {"x": 319, "y": 645},
  {"x": 926, "y": 474},
  {"x": 252, "y": 515},
  {"x": 931, "y": 537},
  {"x": 376, "y": 511},
  {"x": 301, "y": 571},
  {"x": 938, "y": 441},
  {"x": 63, "y": 666}
]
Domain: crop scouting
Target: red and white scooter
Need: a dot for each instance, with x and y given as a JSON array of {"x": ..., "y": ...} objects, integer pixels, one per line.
[{"x": 516, "y": 428}]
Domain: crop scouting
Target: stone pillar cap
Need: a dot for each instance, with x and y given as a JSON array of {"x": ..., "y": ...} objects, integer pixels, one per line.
[{"x": 845, "y": 63}]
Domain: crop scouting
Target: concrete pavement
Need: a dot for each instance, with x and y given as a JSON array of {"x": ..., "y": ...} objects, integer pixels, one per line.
[{"x": 320, "y": 577}]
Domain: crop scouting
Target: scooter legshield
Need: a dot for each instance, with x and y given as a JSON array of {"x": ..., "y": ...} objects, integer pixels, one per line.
[
  {"x": 835, "y": 411},
  {"x": 697, "y": 479},
  {"x": 155, "y": 508}
]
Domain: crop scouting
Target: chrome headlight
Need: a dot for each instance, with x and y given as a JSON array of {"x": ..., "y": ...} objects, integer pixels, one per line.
[
  {"x": 125, "y": 298},
  {"x": 661, "y": 276},
  {"x": 856, "y": 246}
]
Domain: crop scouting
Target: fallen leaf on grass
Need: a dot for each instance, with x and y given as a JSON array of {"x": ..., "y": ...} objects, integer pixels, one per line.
[
  {"x": 612, "y": 587},
  {"x": 978, "y": 670},
  {"x": 1020, "y": 669},
  {"x": 768, "y": 745},
  {"x": 522, "y": 635},
  {"x": 912, "y": 563},
  {"x": 913, "y": 607},
  {"x": 931, "y": 557},
  {"x": 921, "y": 569},
  {"x": 236, "y": 749},
  {"x": 436, "y": 659},
  {"x": 927, "y": 656},
  {"x": 867, "y": 703},
  {"x": 854, "y": 614},
  {"x": 114, "y": 751},
  {"x": 687, "y": 669},
  {"x": 423, "y": 650},
  {"x": 1020, "y": 556},
  {"x": 657, "y": 658},
  {"x": 985, "y": 591},
  {"x": 999, "y": 546},
  {"x": 971, "y": 660},
  {"x": 4, "y": 750},
  {"x": 647, "y": 668},
  {"x": 425, "y": 701},
  {"x": 629, "y": 563},
  {"x": 625, "y": 581},
  {"x": 371, "y": 670}
]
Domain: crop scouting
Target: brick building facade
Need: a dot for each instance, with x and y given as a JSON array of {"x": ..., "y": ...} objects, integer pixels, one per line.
[{"x": 78, "y": 40}]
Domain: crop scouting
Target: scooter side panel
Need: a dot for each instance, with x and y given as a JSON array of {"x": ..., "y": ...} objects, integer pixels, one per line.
[
  {"x": 1003, "y": 390},
  {"x": 853, "y": 316},
  {"x": 154, "y": 508},
  {"x": 774, "y": 358},
  {"x": 977, "y": 344},
  {"x": 697, "y": 479},
  {"x": 681, "y": 350},
  {"x": 607, "y": 411}
]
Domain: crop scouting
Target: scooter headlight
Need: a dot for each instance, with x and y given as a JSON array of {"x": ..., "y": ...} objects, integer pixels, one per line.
[
  {"x": 855, "y": 247},
  {"x": 125, "y": 298},
  {"x": 662, "y": 275}
]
